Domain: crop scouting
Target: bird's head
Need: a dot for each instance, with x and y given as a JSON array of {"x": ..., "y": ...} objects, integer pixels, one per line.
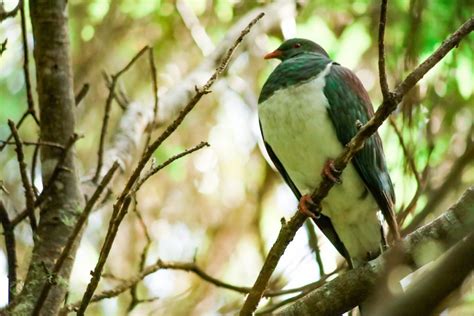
[{"x": 294, "y": 47}]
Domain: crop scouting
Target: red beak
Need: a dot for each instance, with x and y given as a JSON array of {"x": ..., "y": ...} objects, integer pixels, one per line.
[{"x": 275, "y": 54}]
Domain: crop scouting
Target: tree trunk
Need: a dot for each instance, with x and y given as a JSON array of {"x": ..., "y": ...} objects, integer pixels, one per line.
[{"x": 64, "y": 202}]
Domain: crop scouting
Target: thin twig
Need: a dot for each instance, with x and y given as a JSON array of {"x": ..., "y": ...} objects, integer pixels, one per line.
[
  {"x": 34, "y": 160},
  {"x": 81, "y": 94},
  {"x": 406, "y": 152},
  {"x": 268, "y": 310},
  {"x": 354, "y": 286},
  {"x": 118, "y": 214},
  {"x": 37, "y": 143},
  {"x": 120, "y": 209},
  {"x": 57, "y": 169},
  {"x": 184, "y": 266},
  {"x": 382, "y": 73},
  {"x": 73, "y": 238},
  {"x": 141, "y": 265},
  {"x": 305, "y": 288},
  {"x": 440, "y": 193},
  {"x": 314, "y": 245},
  {"x": 436, "y": 284},
  {"x": 108, "y": 104},
  {"x": 155, "y": 169},
  {"x": 26, "y": 71},
  {"x": 6, "y": 142},
  {"x": 10, "y": 247},
  {"x": 119, "y": 96},
  {"x": 289, "y": 229},
  {"x": 29, "y": 192},
  {"x": 420, "y": 184},
  {"x": 49, "y": 185},
  {"x": 127, "y": 284},
  {"x": 155, "y": 97}
]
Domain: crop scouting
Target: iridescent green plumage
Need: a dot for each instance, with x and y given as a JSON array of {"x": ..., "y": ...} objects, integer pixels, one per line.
[{"x": 347, "y": 104}]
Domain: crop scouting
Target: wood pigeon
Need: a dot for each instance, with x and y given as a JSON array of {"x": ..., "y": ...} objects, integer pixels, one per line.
[{"x": 309, "y": 108}]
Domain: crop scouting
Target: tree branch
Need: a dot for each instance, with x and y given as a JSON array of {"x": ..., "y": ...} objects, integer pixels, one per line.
[
  {"x": 354, "y": 286},
  {"x": 121, "y": 205},
  {"x": 188, "y": 267},
  {"x": 138, "y": 117},
  {"x": 440, "y": 193},
  {"x": 29, "y": 193},
  {"x": 154, "y": 81},
  {"x": 56, "y": 103},
  {"x": 108, "y": 104},
  {"x": 436, "y": 284},
  {"x": 73, "y": 238},
  {"x": 26, "y": 72},
  {"x": 155, "y": 169},
  {"x": 48, "y": 187},
  {"x": 382, "y": 74},
  {"x": 29, "y": 95},
  {"x": 289, "y": 229},
  {"x": 10, "y": 247},
  {"x": 81, "y": 94}
]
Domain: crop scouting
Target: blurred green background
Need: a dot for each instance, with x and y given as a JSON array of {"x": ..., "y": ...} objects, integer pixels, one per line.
[{"x": 223, "y": 204}]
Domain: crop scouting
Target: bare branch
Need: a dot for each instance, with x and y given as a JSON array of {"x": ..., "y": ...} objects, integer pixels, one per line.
[
  {"x": 314, "y": 245},
  {"x": 289, "y": 229},
  {"x": 81, "y": 94},
  {"x": 37, "y": 143},
  {"x": 118, "y": 96},
  {"x": 34, "y": 161},
  {"x": 382, "y": 74},
  {"x": 73, "y": 238},
  {"x": 141, "y": 265},
  {"x": 9, "y": 235},
  {"x": 440, "y": 193},
  {"x": 49, "y": 185},
  {"x": 108, "y": 104},
  {"x": 188, "y": 267},
  {"x": 121, "y": 205},
  {"x": 26, "y": 71},
  {"x": 154, "y": 81},
  {"x": 436, "y": 284},
  {"x": 155, "y": 169},
  {"x": 270, "y": 309},
  {"x": 29, "y": 193},
  {"x": 354, "y": 286},
  {"x": 411, "y": 163},
  {"x": 56, "y": 103},
  {"x": 18, "y": 125}
]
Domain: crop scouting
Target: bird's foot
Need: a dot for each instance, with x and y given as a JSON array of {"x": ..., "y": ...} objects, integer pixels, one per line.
[
  {"x": 303, "y": 206},
  {"x": 331, "y": 172}
]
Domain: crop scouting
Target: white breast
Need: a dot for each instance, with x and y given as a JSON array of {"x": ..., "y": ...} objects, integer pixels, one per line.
[{"x": 296, "y": 125}]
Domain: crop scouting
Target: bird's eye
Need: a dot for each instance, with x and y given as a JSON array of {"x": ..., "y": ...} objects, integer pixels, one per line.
[{"x": 297, "y": 45}]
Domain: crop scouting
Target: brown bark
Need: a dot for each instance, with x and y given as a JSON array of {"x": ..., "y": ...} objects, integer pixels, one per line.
[
  {"x": 354, "y": 286},
  {"x": 56, "y": 102}
]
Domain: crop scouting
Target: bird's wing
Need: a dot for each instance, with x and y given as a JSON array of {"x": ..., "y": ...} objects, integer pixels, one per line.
[
  {"x": 323, "y": 222},
  {"x": 348, "y": 104}
]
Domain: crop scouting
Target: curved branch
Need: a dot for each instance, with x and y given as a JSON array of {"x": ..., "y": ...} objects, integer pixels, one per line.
[
  {"x": 354, "y": 286},
  {"x": 137, "y": 117},
  {"x": 389, "y": 104},
  {"x": 436, "y": 284},
  {"x": 121, "y": 205}
]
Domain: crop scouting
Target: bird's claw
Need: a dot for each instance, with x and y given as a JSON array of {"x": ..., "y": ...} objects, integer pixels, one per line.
[
  {"x": 331, "y": 172},
  {"x": 303, "y": 206}
]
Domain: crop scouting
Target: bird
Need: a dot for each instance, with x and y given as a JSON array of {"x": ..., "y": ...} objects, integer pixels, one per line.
[{"x": 309, "y": 108}]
